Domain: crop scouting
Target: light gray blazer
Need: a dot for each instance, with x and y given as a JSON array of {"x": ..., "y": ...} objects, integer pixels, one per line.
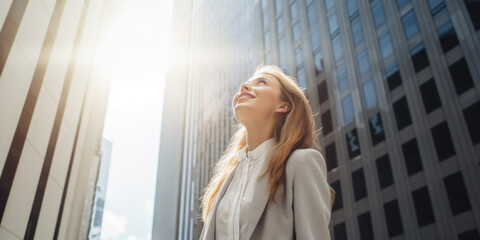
[{"x": 302, "y": 209}]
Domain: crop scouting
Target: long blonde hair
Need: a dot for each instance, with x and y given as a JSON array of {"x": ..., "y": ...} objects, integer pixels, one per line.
[{"x": 293, "y": 130}]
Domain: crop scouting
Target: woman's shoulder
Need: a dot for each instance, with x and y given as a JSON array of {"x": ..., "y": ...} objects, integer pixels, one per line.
[{"x": 305, "y": 157}]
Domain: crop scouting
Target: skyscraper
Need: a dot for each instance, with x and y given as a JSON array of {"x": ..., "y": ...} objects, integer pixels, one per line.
[
  {"x": 53, "y": 101},
  {"x": 213, "y": 51},
  {"x": 98, "y": 204},
  {"x": 395, "y": 85}
]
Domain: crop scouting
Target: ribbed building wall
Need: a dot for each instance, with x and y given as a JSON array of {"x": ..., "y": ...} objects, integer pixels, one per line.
[{"x": 51, "y": 118}]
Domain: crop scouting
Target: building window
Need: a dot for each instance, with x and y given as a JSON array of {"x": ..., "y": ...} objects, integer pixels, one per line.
[
  {"x": 322, "y": 92},
  {"x": 318, "y": 61},
  {"x": 327, "y": 122},
  {"x": 280, "y": 25},
  {"x": 473, "y": 8},
  {"x": 469, "y": 235},
  {"x": 472, "y": 118},
  {"x": 342, "y": 77},
  {"x": 393, "y": 218},
  {"x": 369, "y": 94},
  {"x": 278, "y": 6},
  {"x": 352, "y": 7},
  {"x": 266, "y": 40},
  {"x": 443, "y": 141},
  {"x": 268, "y": 58},
  {"x": 376, "y": 129},
  {"x": 419, "y": 57},
  {"x": 283, "y": 52},
  {"x": 384, "y": 171},
  {"x": 359, "y": 185},
  {"x": 312, "y": 15},
  {"x": 294, "y": 10},
  {"x": 363, "y": 62},
  {"x": 423, "y": 206},
  {"x": 365, "y": 226},
  {"x": 437, "y": 7},
  {"x": 338, "y": 203},
  {"x": 386, "y": 46},
  {"x": 347, "y": 107},
  {"x": 339, "y": 230},
  {"x": 352, "y": 144},
  {"x": 457, "y": 193},
  {"x": 462, "y": 80},
  {"x": 393, "y": 76},
  {"x": 411, "y": 154},
  {"x": 410, "y": 25},
  {"x": 378, "y": 14},
  {"x": 264, "y": 4},
  {"x": 296, "y": 32},
  {"x": 337, "y": 47},
  {"x": 302, "y": 80},
  {"x": 357, "y": 32},
  {"x": 329, "y": 4},
  {"x": 431, "y": 99},
  {"x": 401, "y": 3},
  {"x": 331, "y": 156},
  {"x": 332, "y": 23},
  {"x": 448, "y": 36},
  {"x": 265, "y": 19},
  {"x": 315, "y": 39},
  {"x": 299, "y": 55},
  {"x": 402, "y": 113}
]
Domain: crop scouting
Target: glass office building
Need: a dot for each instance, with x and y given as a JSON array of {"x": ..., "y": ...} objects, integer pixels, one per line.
[{"x": 396, "y": 86}]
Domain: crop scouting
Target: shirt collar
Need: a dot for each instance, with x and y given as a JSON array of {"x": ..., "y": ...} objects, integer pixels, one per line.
[{"x": 258, "y": 152}]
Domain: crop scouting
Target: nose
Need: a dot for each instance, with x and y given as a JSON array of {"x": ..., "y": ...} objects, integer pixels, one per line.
[{"x": 245, "y": 86}]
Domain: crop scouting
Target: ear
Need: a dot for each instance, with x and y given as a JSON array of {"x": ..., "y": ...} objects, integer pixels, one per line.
[{"x": 283, "y": 107}]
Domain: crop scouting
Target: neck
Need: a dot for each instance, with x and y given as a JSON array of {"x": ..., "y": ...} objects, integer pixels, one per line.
[{"x": 257, "y": 134}]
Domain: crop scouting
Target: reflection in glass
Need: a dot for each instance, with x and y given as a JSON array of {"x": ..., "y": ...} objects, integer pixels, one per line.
[
  {"x": 378, "y": 14},
  {"x": 363, "y": 62},
  {"x": 342, "y": 77},
  {"x": 410, "y": 25},
  {"x": 332, "y": 23},
  {"x": 337, "y": 47},
  {"x": 357, "y": 32},
  {"x": 347, "y": 108},
  {"x": 312, "y": 15},
  {"x": 369, "y": 94},
  {"x": 386, "y": 46}
]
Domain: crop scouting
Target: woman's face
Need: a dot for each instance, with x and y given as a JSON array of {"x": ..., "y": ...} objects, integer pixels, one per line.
[{"x": 258, "y": 99}]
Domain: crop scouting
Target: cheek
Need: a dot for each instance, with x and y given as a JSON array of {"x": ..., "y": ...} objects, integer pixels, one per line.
[{"x": 267, "y": 98}]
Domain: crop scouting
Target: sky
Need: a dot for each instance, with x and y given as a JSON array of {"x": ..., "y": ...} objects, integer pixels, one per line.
[{"x": 137, "y": 58}]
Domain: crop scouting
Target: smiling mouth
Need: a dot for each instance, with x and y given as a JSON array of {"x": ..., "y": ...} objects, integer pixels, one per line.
[{"x": 243, "y": 97}]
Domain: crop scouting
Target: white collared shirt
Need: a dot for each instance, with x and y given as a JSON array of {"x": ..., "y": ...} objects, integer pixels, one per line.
[{"x": 233, "y": 209}]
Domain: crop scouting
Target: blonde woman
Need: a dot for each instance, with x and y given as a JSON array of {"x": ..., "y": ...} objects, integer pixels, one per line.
[{"x": 271, "y": 182}]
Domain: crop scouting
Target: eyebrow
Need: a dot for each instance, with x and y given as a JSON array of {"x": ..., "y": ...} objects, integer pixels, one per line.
[{"x": 258, "y": 78}]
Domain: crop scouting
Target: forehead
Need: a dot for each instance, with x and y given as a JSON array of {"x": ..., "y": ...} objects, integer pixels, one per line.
[{"x": 262, "y": 76}]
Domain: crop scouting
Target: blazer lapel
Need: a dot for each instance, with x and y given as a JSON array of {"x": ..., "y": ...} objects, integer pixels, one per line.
[
  {"x": 259, "y": 202},
  {"x": 209, "y": 229}
]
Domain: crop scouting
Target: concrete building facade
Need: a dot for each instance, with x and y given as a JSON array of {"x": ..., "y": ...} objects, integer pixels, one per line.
[{"x": 51, "y": 117}]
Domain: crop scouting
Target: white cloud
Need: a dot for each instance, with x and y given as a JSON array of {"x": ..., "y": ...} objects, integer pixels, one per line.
[
  {"x": 149, "y": 206},
  {"x": 132, "y": 237},
  {"x": 113, "y": 225}
]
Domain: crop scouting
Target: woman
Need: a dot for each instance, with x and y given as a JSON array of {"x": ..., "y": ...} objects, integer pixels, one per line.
[{"x": 271, "y": 183}]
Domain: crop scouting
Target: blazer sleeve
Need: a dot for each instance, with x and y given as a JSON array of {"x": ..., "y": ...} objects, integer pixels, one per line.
[{"x": 311, "y": 197}]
